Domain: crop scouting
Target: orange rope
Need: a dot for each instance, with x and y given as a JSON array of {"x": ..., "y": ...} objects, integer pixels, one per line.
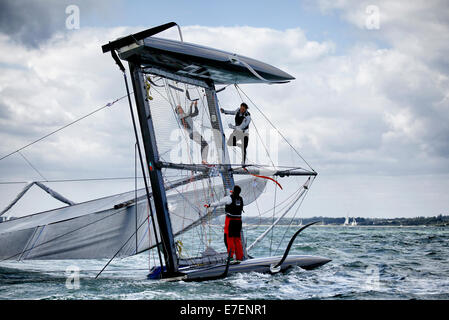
[{"x": 264, "y": 177}]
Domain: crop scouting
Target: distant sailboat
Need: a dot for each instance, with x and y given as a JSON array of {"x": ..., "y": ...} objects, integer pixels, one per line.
[
  {"x": 353, "y": 223},
  {"x": 346, "y": 220}
]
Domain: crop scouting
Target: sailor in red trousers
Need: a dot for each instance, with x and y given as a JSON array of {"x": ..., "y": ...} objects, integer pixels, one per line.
[{"x": 233, "y": 223}]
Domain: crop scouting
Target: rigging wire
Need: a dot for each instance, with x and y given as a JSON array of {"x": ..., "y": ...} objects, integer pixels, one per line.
[
  {"x": 65, "y": 126},
  {"x": 274, "y": 213},
  {"x": 275, "y": 194},
  {"x": 238, "y": 89},
  {"x": 255, "y": 127},
  {"x": 18, "y": 151},
  {"x": 283, "y": 137},
  {"x": 34, "y": 168},
  {"x": 135, "y": 188},
  {"x": 164, "y": 245},
  {"x": 288, "y": 201},
  {"x": 61, "y": 236},
  {"x": 124, "y": 244},
  {"x": 135, "y": 177},
  {"x": 237, "y": 153},
  {"x": 73, "y": 180},
  {"x": 294, "y": 216}
]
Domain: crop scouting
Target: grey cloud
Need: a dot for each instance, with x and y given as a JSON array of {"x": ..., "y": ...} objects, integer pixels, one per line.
[
  {"x": 414, "y": 79},
  {"x": 34, "y": 22},
  {"x": 4, "y": 112},
  {"x": 30, "y": 22}
]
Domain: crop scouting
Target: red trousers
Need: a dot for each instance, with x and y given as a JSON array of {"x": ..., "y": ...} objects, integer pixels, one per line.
[
  {"x": 235, "y": 247},
  {"x": 233, "y": 244}
]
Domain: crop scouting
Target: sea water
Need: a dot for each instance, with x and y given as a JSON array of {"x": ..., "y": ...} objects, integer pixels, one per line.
[{"x": 367, "y": 263}]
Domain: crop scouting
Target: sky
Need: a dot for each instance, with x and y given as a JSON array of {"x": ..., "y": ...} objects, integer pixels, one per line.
[{"x": 369, "y": 108}]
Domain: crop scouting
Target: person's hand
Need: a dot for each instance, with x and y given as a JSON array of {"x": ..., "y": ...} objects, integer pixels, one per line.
[{"x": 231, "y": 126}]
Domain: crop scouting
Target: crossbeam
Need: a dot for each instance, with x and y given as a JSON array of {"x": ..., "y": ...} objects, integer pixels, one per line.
[{"x": 246, "y": 170}]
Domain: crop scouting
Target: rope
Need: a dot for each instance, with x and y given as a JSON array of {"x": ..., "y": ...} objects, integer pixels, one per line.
[
  {"x": 62, "y": 235},
  {"x": 286, "y": 211},
  {"x": 278, "y": 206},
  {"x": 264, "y": 177},
  {"x": 274, "y": 213},
  {"x": 201, "y": 233},
  {"x": 67, "y": 125},
  {"x": 283, "y": 137},
  {"x": 144, "y": 221},
  {"x": 294, "y": 216},
  {"x": 72, "y": 180},
  {"x": 34, "y": 168},
  {"x": 236, "y": 151},
  {"x": 257, "y": 131}
]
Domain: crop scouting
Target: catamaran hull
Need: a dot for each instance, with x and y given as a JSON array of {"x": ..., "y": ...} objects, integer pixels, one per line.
[{"x": 261, "y": 265}]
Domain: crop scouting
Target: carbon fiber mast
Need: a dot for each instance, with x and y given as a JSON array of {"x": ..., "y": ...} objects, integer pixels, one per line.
[
  {"x": 150, "y": 146},
  {"x": 220, "y": 142},
  {"x": 219, "y": 137},
  {"x": 155, "y": 173}
]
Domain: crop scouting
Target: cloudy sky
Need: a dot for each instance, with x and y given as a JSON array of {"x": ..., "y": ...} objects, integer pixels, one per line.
[{"x": 369, "y": 108}]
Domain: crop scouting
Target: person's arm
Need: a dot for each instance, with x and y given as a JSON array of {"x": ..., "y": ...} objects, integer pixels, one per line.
[
  {"x": 182, "y": 115},
  {"x": 222, "y": 202},
  {"x": 233, "y": 112},
  {"x": 194, "y": 113}
]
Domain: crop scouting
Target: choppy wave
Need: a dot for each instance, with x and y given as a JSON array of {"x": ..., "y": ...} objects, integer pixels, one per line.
[{"x": 367, "y": 263}]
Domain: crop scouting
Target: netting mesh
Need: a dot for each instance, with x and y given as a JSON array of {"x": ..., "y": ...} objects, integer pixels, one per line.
[
  {"x": 181, "y": 120},
  {"x": 182, "y": 123}
]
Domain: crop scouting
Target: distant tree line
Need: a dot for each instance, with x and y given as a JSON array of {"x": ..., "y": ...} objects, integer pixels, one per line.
[{"x": 440, "y": 220}]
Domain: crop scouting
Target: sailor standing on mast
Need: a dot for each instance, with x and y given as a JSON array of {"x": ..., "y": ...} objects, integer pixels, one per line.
[
  {"x": 241, "y": 128},
  {"x": 233, "y": 222},
  {"x": 185, "y": 118}
]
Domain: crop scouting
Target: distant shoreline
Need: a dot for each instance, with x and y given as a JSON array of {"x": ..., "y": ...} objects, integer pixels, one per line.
[
  {"x": 440, "y": 220},
  {"x": 350, "y": 227}
]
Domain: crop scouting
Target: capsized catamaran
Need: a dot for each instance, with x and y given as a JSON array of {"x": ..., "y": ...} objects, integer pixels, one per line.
[{"x": 165, "y": 75}]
